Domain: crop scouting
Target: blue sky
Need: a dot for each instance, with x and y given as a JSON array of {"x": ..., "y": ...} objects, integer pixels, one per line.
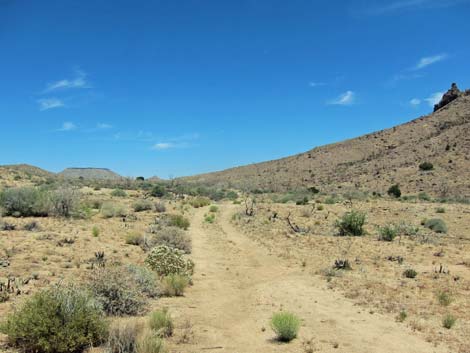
[{"x": 179, "y": 87}]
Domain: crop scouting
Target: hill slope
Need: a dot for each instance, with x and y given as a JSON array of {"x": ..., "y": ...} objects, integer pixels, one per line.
[
  {"x": 23, "y": 173},
  {"x": 90, "y": 173},
  {"x": 374, "y": 161}
]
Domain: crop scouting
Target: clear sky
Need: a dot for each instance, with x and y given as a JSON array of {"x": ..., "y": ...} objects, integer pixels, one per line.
[{"x": 178, "y": 87}]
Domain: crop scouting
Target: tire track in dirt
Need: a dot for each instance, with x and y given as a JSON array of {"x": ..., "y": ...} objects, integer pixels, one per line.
[{"x": 238, "y": 286}]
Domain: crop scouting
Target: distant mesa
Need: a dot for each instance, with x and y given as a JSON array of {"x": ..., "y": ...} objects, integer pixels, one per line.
[{"x": 89, "y": 173}]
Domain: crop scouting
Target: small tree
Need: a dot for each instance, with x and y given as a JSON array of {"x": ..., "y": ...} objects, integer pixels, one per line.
[{"x": 394, "y": 191}]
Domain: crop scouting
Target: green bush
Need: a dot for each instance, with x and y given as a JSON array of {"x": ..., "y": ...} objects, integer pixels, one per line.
[
  {"x": 135, "y": 238},
  {"x": 424, "y": 197},
  {"x": 150, "y": 343},
  {"x": 426, "y": 166},
  {"x": 449, "y": 321},
  {"x": 285, "y": 325},
  {"x": 437, "y": 225},
  {"x": 118, "y": 193},
  {"x": 209, "y": 218},
  {"x": 440, "y": 210},
  {"x": 198, "y": 202},
  {"x": 95, "y": 231},
  {"x": 213, "y": 208},
  {"x": 170, "y": 236},
  {"x": 158, "y": 191},
  {"x": 174, "y": 285},
  {"x": 176, "y": 220},
  {"x": 56, "y": 320},
  {"x": 444, "y": 298},
  {"x": 110, "y": 209},
  {"x": 142, "y": 205},
  {"x": 394, "y": 191},
  {"x": 410, "y": 273},
  {"x": 25, "y": 202},
  {"x": 351, "y": 223},
  {"x": 166, "y": 260},
  {"x": 64, "y": 202},
  {"x": 145, "y": 280},
  {"x": 388, "y": 232},
  {"x": 161, "y": 323},
  {"x": 117, "y": 290}
]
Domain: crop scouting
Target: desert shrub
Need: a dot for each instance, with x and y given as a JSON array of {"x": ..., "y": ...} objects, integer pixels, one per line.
[
  {"x": 56, "y": 320},
  {"x": 135, "y": 238},
  {"x": 64, "y": 202},
  {"x": 404, "y": 228},
  {"x": 213, "y": 208},
  {"x": 25, "y": 202},
  {"x": 31, "y": 226},
  {"x": 402, "y": 316},
  {"x": 426, "y": 166},
  {"x": 410, "y": 273},
  {"x": 424, "y": 197},
  {"x": 200, "y": 201},
  {"x": 110, "y": 209},
  {"x": 320, "y": 208},
  {"x": 331, "y": 200},
  {"x": 177, "y": 220},
  {"x": 388, "y": 232},
  {"x": 158, "y": 191},
  {"x": 142, "y": 205},
  {"x": 209, "y": 218},
  {"x": 123, "y": 336},
  {"x": 95, "y": 231},
  {"x": 394, "y": 191},
  {"x": 440, "y": 210},
  {"x": 449, "y": 321},
  {"x": 174, "y": 285},
  {"x": 231, "y": 195},
  {"x": 118, "y": 193},
  {"x": 342, "y": 264},
  {"x": 285, "y": 325},
  {"x": 117, "y": 291},
  {"x": 150, "y": 343},
  {"x": 170, "y": 236},
  {"x": 160, "y": 207},
  {"x": 444, "y": 298},
  {"x": 436, "y": 224},
  {"x": 303, "y": 201},
  {"x": 351, "y": 223},
  {"x": 161, "y": 323},
  {"x": 7, "y": 226},
  {"x": 145, "y": 279},
  {"x": 166, "y": 260}
]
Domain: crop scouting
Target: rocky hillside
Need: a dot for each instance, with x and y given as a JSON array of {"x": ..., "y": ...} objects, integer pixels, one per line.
[
  {"x": 90, "y": 173},
  {"x": 23, "y": 174},
  {"x": 375, "y": 161}
]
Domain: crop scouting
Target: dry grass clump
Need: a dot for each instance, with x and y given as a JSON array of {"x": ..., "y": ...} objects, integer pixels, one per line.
[
  {"x": 170, "y": 236},
  {"x": 174, "y": 285},
  {"x": 161, "y": 323},
  {"x": 118, "y": 291},
  {"x": 285, "y": 325},
  {"x": 111, "y": 209}
]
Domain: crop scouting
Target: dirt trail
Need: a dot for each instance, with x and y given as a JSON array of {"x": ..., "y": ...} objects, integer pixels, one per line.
[{"x": 238, "y": 286}]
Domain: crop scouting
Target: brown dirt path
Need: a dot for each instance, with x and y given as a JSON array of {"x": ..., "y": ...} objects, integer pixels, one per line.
[{"x": 238, "y": 286}]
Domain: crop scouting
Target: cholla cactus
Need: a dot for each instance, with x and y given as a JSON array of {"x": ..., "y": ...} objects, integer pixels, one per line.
[{"x": 166, "y": 260}]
